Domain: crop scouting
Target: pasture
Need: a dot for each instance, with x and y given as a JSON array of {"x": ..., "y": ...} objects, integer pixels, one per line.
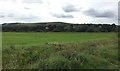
[{"x": 59, "y": 50}]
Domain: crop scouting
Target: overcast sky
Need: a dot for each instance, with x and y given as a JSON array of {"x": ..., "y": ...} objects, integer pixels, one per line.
[{"x": 73, "y": 11}]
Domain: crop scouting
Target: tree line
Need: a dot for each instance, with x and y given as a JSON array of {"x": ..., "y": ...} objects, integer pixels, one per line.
[{"x": 57, "y": 27}]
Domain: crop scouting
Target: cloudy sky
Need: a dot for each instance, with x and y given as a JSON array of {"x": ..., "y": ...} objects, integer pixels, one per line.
[{"x": 73, "y": 11}]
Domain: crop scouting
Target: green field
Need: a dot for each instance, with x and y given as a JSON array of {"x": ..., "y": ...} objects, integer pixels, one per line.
[
  {"x": 60, "y": 50},
  {"x": 41, "y": 38}
]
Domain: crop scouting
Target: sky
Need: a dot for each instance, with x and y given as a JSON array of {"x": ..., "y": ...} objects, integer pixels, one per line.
[{"x": 71, "y": 11}]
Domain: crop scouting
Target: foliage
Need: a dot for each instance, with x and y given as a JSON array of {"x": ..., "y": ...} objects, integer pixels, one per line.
[
  {"x": 99, "y": 52},
  {"x": 57, "y": 27}
]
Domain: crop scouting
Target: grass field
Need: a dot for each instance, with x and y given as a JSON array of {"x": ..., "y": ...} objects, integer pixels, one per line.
[
  {"x": 41, "y": 38},
  {"x": 48, "y": 50}
]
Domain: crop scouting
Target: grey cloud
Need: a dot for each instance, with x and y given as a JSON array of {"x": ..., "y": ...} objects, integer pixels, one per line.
[
  {"x": 32, "y": 1},
  {"x": 2, "y": 16},
  {"x": 62, "y": 16},
  {"x": 27, "y": 8},
  {"x": 7, "y": 15},
  {"x": 70, "y": 8},
  {"x": 19, "y": 17},
  {"x": 119, "y": 13},
  {"x": 10, "y": 15},
  {"x": 119, "y": 10},
  {"x": 28, "y": 18},
  {"x": 9, "y": 0},
  {"x": 99, "y": 14}
]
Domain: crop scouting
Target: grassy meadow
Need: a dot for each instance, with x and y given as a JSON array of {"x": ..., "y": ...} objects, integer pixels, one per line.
[{"x": 59, "y": 50}]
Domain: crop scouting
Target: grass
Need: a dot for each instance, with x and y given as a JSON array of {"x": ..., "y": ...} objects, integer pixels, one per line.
[
  {"x": 60, "y": 50},
  {"x": 41, "y": 38}
]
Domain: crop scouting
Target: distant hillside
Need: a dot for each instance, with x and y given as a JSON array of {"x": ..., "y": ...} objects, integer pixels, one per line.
[
  {"x": 35, "y": 23},
  {"x": 57, "y": 27}
]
